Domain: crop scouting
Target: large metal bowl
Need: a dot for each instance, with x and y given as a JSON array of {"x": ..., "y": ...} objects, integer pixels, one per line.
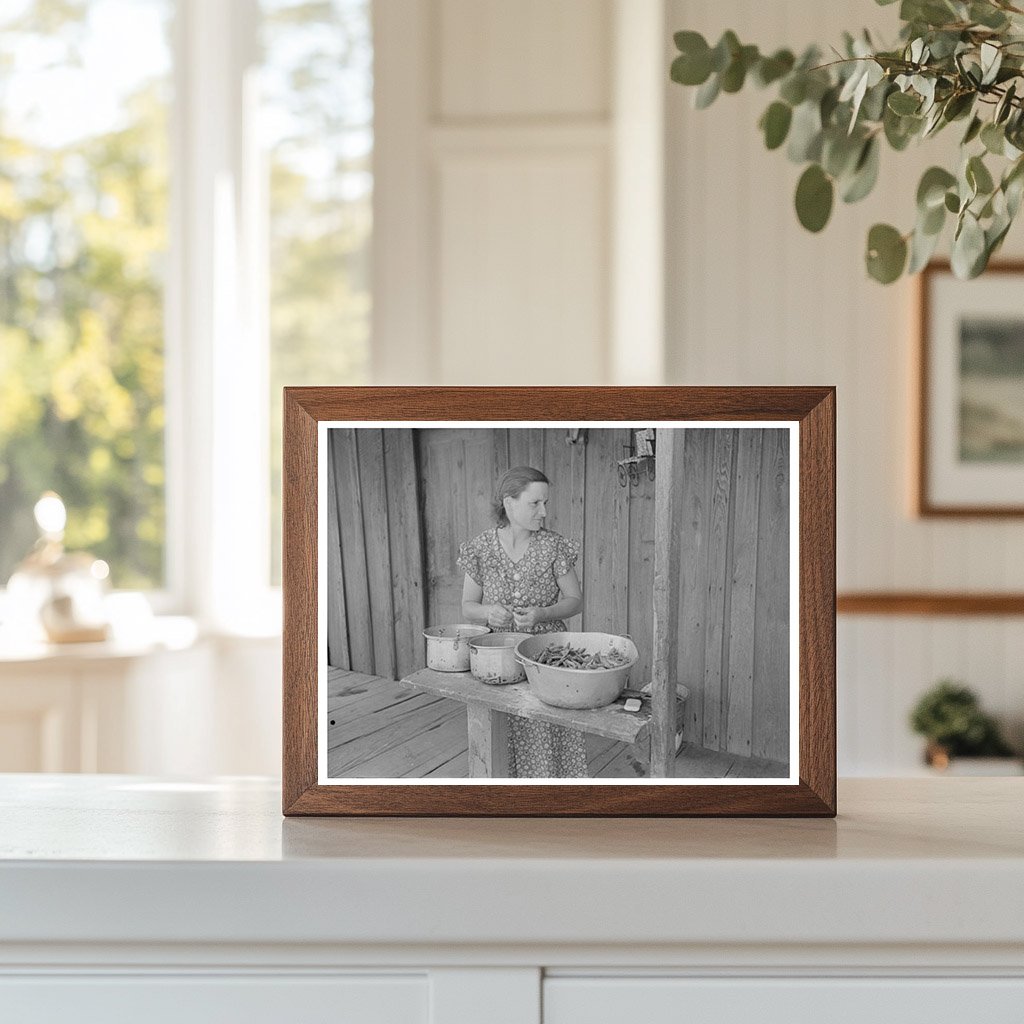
[{"x": 576, "y": 687}]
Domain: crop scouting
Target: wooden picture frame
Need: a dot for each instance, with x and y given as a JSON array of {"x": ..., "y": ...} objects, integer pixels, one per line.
[
  {"x": 684, "y": 420},
  {"x": 969, "y": 448}
]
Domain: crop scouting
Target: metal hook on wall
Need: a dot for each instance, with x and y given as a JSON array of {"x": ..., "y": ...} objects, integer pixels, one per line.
[{"x": 640, "y": 454}]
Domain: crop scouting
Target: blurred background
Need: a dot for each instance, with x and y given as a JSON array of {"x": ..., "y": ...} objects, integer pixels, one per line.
[{"x": 202, "y": 201}]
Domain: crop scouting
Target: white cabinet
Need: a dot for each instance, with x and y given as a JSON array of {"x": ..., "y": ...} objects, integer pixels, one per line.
[
  {"x": 132, "y": 898},
  {"x": 202, "y": 999},
  {"x": 824, "y": 1000}
]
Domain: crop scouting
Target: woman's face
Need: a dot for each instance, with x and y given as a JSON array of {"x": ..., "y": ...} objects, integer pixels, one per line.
[{"x": 529, "y": 510}]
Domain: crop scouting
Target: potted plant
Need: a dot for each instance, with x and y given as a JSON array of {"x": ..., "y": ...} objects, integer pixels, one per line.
[
  {"x": 956, "y": 62},
  {"x": 950, "y": 717}
]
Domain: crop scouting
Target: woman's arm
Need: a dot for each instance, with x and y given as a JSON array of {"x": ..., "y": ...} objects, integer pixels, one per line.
[
  {"x": 569, "y": 604},
  {"x": 497, "y": 616}
]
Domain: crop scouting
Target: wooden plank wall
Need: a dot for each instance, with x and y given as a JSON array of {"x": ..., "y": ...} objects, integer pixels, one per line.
[
  {"x": 734, "y": 596},
  {"x": 375, "y": 617}
]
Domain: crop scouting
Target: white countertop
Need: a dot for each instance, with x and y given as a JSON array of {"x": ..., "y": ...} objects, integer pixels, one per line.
[{"x": 124, "y": 859}]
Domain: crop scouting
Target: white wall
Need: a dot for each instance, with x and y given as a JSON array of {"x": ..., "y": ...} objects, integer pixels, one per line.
[{"x": 754, "y": 299}]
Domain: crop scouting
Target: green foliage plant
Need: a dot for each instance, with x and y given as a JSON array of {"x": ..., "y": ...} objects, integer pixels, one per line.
[
  {"x": 950, "y": 717},
  {"x": 956, "y": 61}
]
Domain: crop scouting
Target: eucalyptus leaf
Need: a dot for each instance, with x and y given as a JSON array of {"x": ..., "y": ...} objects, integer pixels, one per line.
[
  {"x": 814, "y": 195},
  {"x": 991, "y": 61},
  {"x": 805, "y": 133},
  {"x": 865, "y": 174},
  {"x": 952, "y": 202},
  {"x": 973, "y": 129},
  {"x": 1005, "y": 104},
  {"x": 886, "y": 253},
  {"x": 794, "y": 88},
  {"x": 873, "y": 106},
  {"x": 987, "y": 15},
  {"x": 725, "y": 50},
  {"x": 900, "y": 130},
  {"x": 931, "y": 190},
  {"x": 993, "y": 138},
  {"x": 968, "y": 247},
  {"x": 771, "y": 69},
  {"x": 735, "y": 74},
  {"x": 978, "y": 176},
  {"x": 707, "y": 93},
  {"x": 932, "y": 221},
  {"x": 840, "y": 152},
  {"x": 958, "y": 105},
  {"x": 903, "y": 103},
  {"x": 775, "y": 123},
  {"x": 1014, "y": 192},
  {"x": 922, "y": 248}
]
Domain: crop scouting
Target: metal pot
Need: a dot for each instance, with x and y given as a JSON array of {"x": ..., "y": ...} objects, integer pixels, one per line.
[
  {"x": 448, "y": 646},
  {"x": 576, "y": 687},
  {"x": 492, "y": 658}
]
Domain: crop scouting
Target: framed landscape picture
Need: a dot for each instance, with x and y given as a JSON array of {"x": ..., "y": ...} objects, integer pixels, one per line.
[
  {"x": 970, "y": 451},
  {"x": 574, "y": 601}
]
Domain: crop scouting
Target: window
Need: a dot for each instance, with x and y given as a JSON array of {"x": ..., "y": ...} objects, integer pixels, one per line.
[
  {"x": 185, "y": 221},
  {"x": 83, "y": 236}
]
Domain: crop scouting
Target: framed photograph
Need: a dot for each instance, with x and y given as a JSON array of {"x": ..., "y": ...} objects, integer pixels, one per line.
[
  {"x": 559, "y": 601},
  {"x": 970, "y": 451}
]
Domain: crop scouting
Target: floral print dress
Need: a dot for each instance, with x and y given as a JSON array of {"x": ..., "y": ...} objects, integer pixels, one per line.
[{"x": 537, "y": 750}]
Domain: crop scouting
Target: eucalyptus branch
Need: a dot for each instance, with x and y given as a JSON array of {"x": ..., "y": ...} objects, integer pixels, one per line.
[{"x": 833, "y": 117}]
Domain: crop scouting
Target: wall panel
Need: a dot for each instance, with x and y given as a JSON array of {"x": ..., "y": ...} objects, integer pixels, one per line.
[
  {"x": 522, "y": 285},
  {"x": 531, "y": 58}
]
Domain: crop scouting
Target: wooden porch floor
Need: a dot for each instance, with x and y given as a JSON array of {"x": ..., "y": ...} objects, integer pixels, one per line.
[{"x": 378, "y": 728}]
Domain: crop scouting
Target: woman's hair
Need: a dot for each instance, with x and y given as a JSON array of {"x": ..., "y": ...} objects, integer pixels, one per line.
[{"x": 512, "y": 483}]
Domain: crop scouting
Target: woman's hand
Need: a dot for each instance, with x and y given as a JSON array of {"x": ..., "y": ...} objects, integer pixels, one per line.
[
  {"x": 528, "y": 618},
  {"x": 499, "y": 617}
]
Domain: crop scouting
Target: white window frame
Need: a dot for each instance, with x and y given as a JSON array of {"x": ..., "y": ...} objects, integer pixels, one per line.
[{"x": 217, "y": 353}]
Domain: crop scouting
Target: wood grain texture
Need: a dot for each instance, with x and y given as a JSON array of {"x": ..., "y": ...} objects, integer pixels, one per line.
[
  {"x": 606, "y": 526},
  {"x": 716, "y": 628},
  {"x": 770, "y": 726},
  {"x": 374, "y": 509},
  {"x": 814, "y": 408},
  {"x": 299, "y": 572},
  {"x": 817, "y": 642},
  {"x": 337, "y": 622},
  {"x": 665, "y": 602},
  {"x": 743, "y": 594},
  {"x": 356, "y": 591},
  {"x": 640, "y": 607},
  {"x": 929, "y": 604},
  {"x": 519, "y": 700},
  {"x": 405, "y": 548},
  {"x": 694, "y": 522}
]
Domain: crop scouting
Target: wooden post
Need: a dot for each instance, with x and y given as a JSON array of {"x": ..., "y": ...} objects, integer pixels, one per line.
[
  {"x": 666, "y": 602},
  {"x": 488, "y": 742}
]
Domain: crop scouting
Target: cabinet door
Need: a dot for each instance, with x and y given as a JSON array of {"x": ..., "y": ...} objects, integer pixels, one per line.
[
  {"x": 205, "y": 999},
  {"x": 579, "y": 1000}
]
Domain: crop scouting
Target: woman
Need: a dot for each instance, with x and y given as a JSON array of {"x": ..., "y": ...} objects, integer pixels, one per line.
[{"x": 520, "y": 577}]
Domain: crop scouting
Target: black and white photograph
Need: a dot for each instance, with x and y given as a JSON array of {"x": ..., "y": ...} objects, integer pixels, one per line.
[{"x": 489, "y": 602}]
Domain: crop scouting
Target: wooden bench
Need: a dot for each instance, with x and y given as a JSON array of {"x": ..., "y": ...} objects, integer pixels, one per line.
[{"x": 488, "y": 708}]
